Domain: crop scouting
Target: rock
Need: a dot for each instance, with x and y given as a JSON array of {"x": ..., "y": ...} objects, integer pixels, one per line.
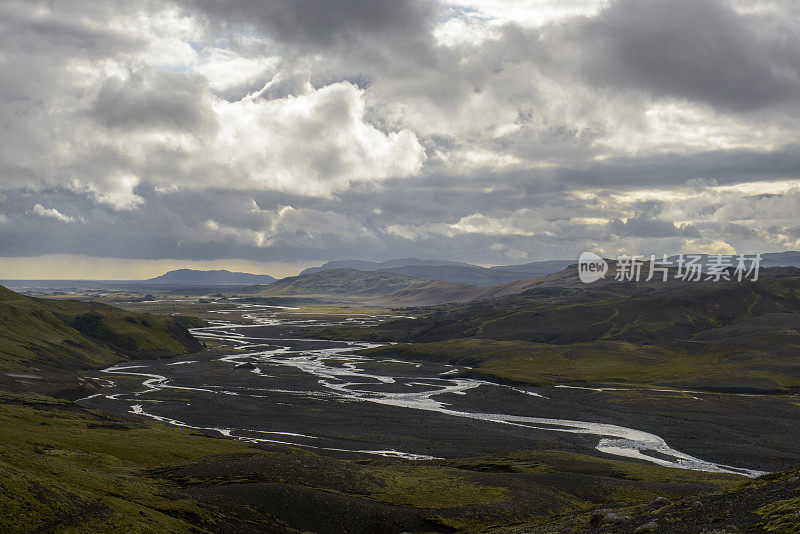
[
  {"x": 660, "y": 502},
  {"x": 612, "y": 519},
  {"x": 647, "y": 527},
  {"x": 597, "y": 516},
  {"x": 732, "y": 529}
]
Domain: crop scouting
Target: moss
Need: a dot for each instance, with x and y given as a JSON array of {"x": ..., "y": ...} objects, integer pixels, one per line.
[
  {"x": 781, "y": 516},
  {"x": 430, "y": 487},
  {"x": 598, "y": 361},
  {"x": 62, "y": 468},
  {"x": 69, "y": 333}
]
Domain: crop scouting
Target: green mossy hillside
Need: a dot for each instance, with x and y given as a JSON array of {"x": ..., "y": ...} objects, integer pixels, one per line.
[{"x": 73, "y": 334}]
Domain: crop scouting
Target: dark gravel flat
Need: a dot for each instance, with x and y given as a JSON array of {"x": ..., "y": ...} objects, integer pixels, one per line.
[{"x": 349, "y": 405}]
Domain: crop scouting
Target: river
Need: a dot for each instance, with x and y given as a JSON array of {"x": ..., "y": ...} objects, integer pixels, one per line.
[{"x": 274, "y": 386}]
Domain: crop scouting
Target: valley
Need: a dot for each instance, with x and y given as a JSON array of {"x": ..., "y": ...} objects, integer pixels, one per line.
[{"x": 329, "y": 411}]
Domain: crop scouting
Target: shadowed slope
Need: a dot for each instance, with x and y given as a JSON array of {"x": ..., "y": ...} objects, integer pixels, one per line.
[{"x": 71, "y": 334}]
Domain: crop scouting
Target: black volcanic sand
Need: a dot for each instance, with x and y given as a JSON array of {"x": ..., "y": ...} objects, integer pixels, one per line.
[{"x": 271, "y": 401}]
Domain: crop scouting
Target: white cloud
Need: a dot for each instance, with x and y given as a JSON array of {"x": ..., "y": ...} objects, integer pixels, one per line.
[
  {"x": 480, "y": 224},
  {"x": 311, "y": 144},
  {"x": 530, "y": 13},
  {"x": 52, "y": 213},
  {"x": 286, "y": 226},
  {"x": 231, "y": 74}
]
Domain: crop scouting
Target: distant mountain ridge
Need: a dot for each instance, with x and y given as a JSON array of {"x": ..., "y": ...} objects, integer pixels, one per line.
[
  {"x": 209, "y": 278},
  {"x": 466, "y": 273},
  {"x": 790, "y": 258},
  {"x": 399, "y": 289},
  {"x": 364, "y": 265},
  {"x": 417, "y": 287},
  {"x": 393, "y": 287},
  {"x": 450, "y": 271}
]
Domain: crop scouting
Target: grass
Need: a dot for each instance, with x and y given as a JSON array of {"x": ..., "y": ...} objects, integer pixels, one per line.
[
  {"x": 207, "y": 310},
  {"x": 67, "y": 469},
  {"x": 597, "y": 362},
  {"x": 781, "y": 516},
  {"x": 67, "y": 333},
  {"x": 435, "y": 487},
  {"x": 348, "y": 282},
  {"x": 64, "y": 468}
]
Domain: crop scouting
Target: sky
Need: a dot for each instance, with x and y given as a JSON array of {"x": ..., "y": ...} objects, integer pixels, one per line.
[{"x": 268, "y": 136}]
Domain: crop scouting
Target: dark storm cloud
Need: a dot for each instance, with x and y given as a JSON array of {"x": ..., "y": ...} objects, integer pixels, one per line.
[
  {"x": 325, "y": 22},
  {"x": 666, "y": 170},
  {"x": 36, "y": 46},
  {"x": 642, "y": 225},
  {"x": 696, "y": 49},
  {"x": 731, "y": 230},
  {"x": 381, "y": 223},
  {"x": 152, "y": 99}
]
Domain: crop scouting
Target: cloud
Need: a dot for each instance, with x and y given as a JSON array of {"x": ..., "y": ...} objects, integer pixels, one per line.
[
  {"x": 694, "y": 49},
  {"x": 52, "y": 213},
  {"x": 482, "y": 131},
  {"x": 152, "y": 100},
  {"x": 641, "y": 225},
  {"x": 233, "y": 76},
  {"x": 122, "y": 118},
  {"x": 312, "y": 143},
  {"x": 324, "y": 22}
]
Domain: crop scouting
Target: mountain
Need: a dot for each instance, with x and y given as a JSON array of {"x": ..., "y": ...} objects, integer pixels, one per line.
[
  {"x": 559, "y": 309},
  {"x": 465, "y": 273},
  {"x": 789, "y": 258},
  {"x": 359, "y": 265},
  {"x": 345, "y": 282},
  {"x": 64, "y": 335},
  {"x": 390, "y": 288},
  {"x": 363, "y": 265},
  {"x": 726, "y": 336},
  {"x": 191, "y": 277},
  {"x": 536, "y": 268},
  {"x": 449, "y": 271},
  {"x": 472, "y": 275},
  {"x": 396, "y": 289}
]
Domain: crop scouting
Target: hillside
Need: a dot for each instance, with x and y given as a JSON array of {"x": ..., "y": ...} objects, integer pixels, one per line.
[
  {"x": 208, "y": 278},
  {"x": 66, "y": 334},
  {"x": 765, "y": 504},
  {"x": 69, "y": 469},
  {"x": 395, "y": 289},
  {"x": 390, "y": 288},
  {"x": 465, "y": 273},
  {"x": 449, "y": 271},
  {"x": 363, "y": 265},
  {"x": 790, "y": 258},
  {"x": 717, "y": 336}
]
